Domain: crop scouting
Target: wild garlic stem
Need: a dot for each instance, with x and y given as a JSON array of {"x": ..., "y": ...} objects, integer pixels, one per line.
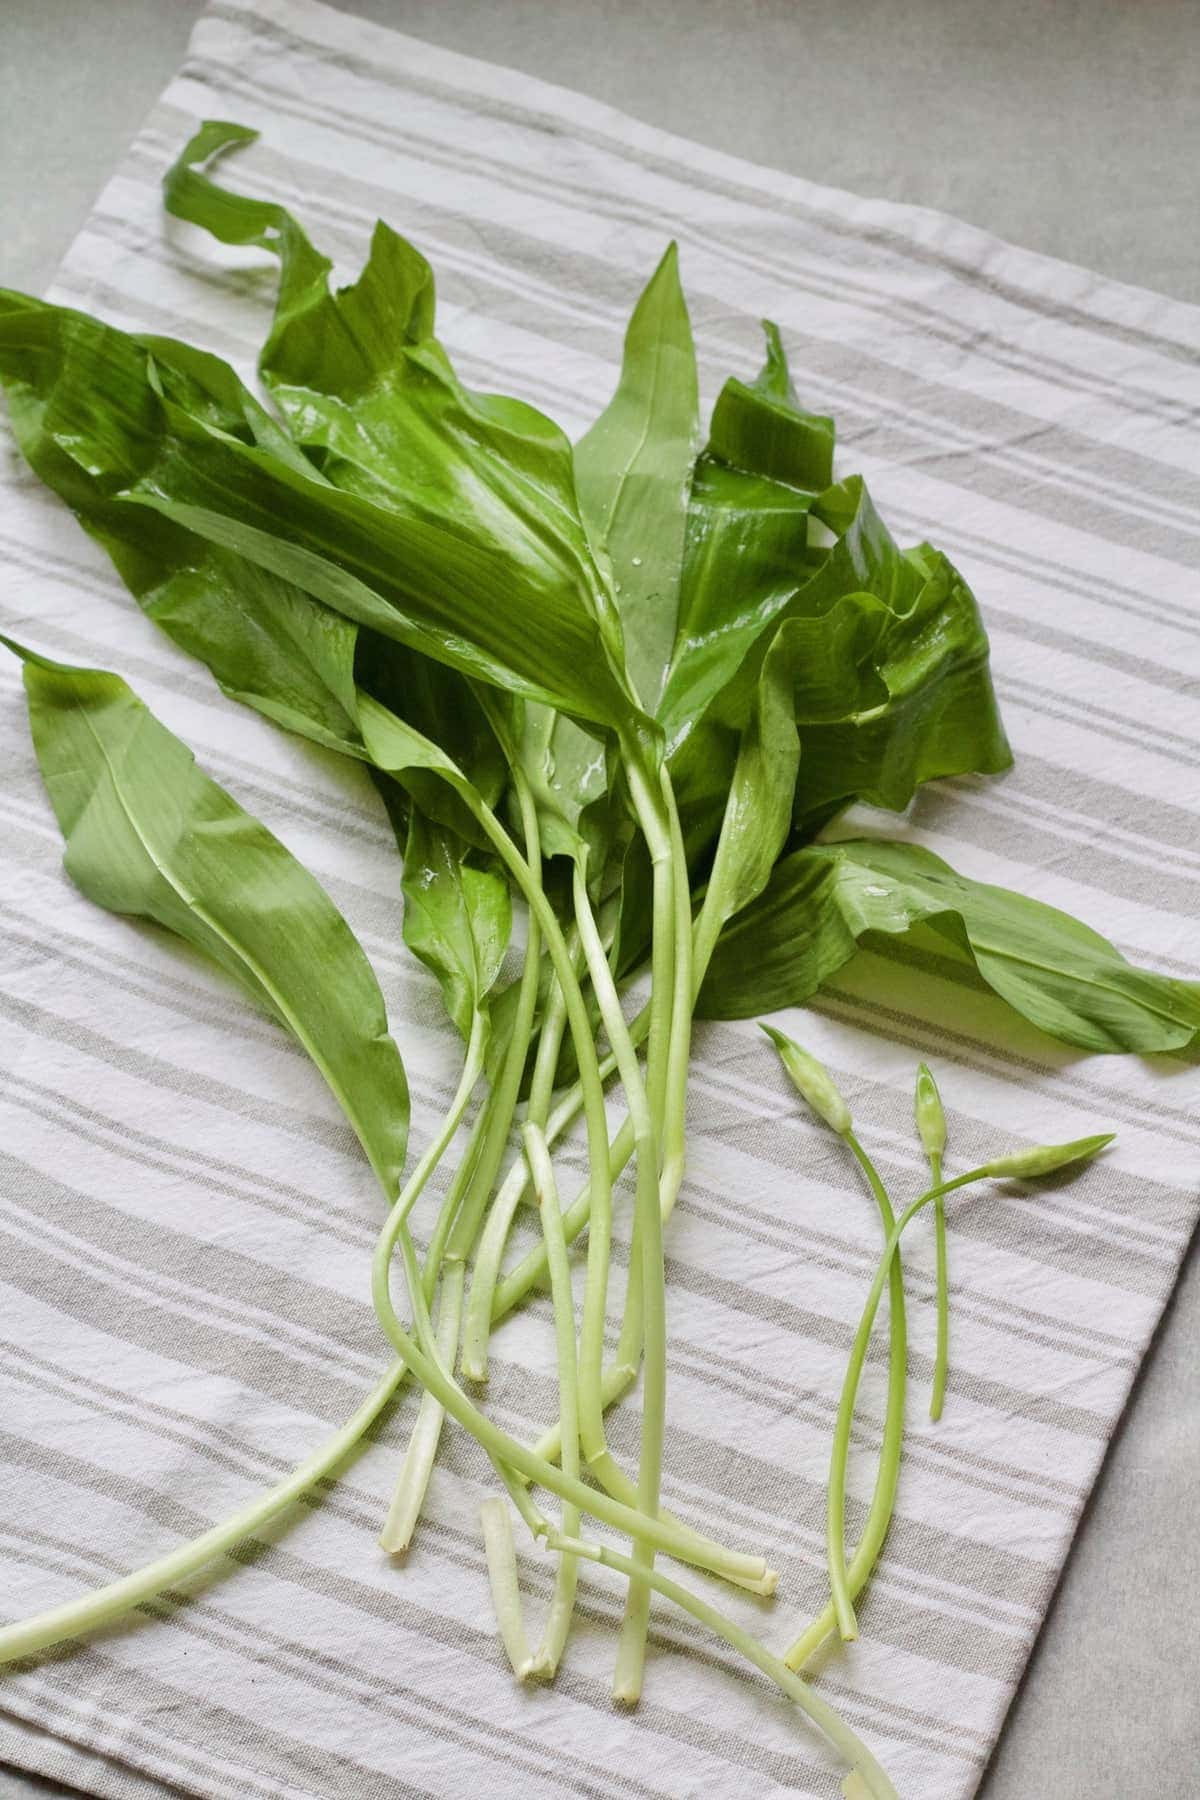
[
  {"x": 883, "y": 1499},
  {"x": 844, "y": 1740},
  {"x": 941, "y": 1359},
  {"x": 421, "y": 1454},
  {"x": 490, "y": 1251},
  {"x": 483, "y": 1178},
  {"x": 507, "y": 1452},
  {"x": 650, "y": 1133},
  {"x": 591, "y": 1348},
  {"x": 103, "y": 1605},
  {"x": 835, "y": 1546},
  {"x": 448, "y": 1211},
  {"x": 531, "y": 1271},
  {"x": 106, "y": 1604},
  {"x": 422, "y": 1449},
  {"x": 562, "y": 1605},
  {"x": 501, "y": 1555}
]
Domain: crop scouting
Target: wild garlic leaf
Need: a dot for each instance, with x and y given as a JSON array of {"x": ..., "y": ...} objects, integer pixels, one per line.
[
  {"x": 457, "y": 916},
  {"x": 147, "y": 833},
  {"x": 506, "y": 608},
  {"x": 1064, "y": 977},
  {"x": 746, "y": 548},
  {"x": 483, "y": 483},
  {"x": 633, "y": 471},
  {"x": 885, "y": 700},
  {"x": 863, "y": 559},
  {"x": 758, "y": 808}
]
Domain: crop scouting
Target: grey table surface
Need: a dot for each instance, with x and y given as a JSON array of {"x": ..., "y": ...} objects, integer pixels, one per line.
[{"x": 1068, "y": 126}]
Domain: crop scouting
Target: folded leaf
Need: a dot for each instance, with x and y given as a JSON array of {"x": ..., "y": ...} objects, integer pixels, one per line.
[
  {"x": 148, "y": 834},
  {"x": 457, "y": 917},
  {"x": 371, "y": 396},
  {"x": 746, "y": 547},
  {"x": 758, "y": 808},
  {"x": 1065, "y": 978},
  {"x": 885, "y": 700}
]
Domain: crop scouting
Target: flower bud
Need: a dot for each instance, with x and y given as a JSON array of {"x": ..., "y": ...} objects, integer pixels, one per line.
[
  {"x": 1046, "y": 1158},
  {"x": 812, "y": 1080},
  {"x": 931, "y": 1120}
]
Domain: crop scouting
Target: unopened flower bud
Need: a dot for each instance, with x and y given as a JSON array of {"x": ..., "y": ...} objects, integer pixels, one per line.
[
  {"x": 931, "y": 1120},
  {"x": 1046, "y": 1158},
  {"x": 812, "y": 1080}
]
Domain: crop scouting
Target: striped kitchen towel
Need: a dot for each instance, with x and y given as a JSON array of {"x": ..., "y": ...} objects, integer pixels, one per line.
[{"x": 186, "y": 1221}]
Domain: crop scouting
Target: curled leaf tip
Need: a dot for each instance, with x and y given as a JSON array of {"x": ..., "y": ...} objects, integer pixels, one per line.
[
  {"x": 1045, "y": 1159},
  {"x": 812, "y": 1081},
  {"x": 931, "y": 1119}
]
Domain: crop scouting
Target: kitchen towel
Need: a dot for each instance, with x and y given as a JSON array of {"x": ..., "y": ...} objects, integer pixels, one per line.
[{"x": 187, "y": 1223}]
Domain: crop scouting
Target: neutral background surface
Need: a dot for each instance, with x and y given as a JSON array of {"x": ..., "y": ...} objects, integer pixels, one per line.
[{"x": 1072, "y": 128}]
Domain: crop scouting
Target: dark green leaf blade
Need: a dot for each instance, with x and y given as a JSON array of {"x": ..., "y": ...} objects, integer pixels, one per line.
[
  {"x": 1056, "y": 972},
  {"x": 147, "y": 833},
  {"x": 746, "y": 547},
  {"x": 633, "y": 472},
  {"x": 371, "y": 396},
  {"x": 758, "y": 809},
  {"x": 457, "y": 917}
]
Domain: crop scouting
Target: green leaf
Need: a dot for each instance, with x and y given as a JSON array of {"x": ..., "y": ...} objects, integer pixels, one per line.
[
  {"x": 457, "y": 917},
  {"x": 746, "y": 548},
  {"x": 758, "y": 807},
  {"x": 633, "y": 472},
  {"x": 484, "y": 484},
  {"x": 491, "y": 589},
  {"x": 1054, "y": 971},
  {"x": 885, "y": 700},
  {"x": 148, "y": 834}
]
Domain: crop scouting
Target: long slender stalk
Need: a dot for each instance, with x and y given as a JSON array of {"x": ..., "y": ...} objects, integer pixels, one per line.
[
  {"x": 941, "y": 1360},
  {"x": 466, "y": 1228},
  {"x": 531, "y": 1271},
  {"x": 562, "y": 1606},
  {"x": 835, "y": 1544},
  {"x": 419, "y": 1458},
  {"x": 502, "y": 1576},
  {"x": 103, "y": 1605},
  {"x": 477, "y": 1329},
  {"x": 649, "y": 1133},
  {"x": 448, "y": 1211},
  {"x": 845, "y": 1741},
  {"x": 883, "y": 1499},
  {"x": 421, "y": 1454},
  {"x": 507, "y": 1452}
]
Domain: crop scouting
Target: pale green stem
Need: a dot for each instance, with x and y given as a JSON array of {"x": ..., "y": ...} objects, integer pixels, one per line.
[
  {"x": 941, "y": 1360},
  {"x": 531, "y": 1271},
  {"x": 507, "y": 1452},
  {"x": 879, "y": 1517},
  {"x": 844, "y": 1740},
  {"x": 448, "y": 1212},
  {"x": 421, "y": 1454},
  {"x": 647, "y": 1111},
  {"x": 836, "y": 1510},
  {"x": 562, "y": 1606},
  {"x": 502, "y": 1575},
  {"x": 486, "y": 1271},
  {"x": 422, "y": 1450},
  {"x": 508, "y": 1087},
  {"x": 103, "y": 1605}
]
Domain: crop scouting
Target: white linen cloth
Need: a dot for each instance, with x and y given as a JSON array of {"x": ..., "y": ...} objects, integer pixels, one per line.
[{"x": 186, "y": 1220}]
